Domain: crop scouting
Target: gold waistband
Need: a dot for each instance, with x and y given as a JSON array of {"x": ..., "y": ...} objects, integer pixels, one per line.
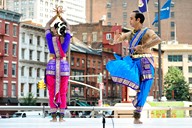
[
  {"x": 52, "y": 56},
  {"x": 141, "y": 55}
]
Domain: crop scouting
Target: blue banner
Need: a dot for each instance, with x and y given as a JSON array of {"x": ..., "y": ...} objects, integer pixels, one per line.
[
  {"x": 142, "y": 5},
  {"x": 164, "y": 13}
]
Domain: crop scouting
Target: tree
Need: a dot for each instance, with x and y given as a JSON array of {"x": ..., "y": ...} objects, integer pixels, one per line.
[
  {"x": 175, "y": 85},
  {"x": 30, "y": 100}
]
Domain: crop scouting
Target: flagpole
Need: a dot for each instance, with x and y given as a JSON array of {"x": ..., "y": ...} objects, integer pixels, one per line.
[{"x": 159, "y": 54}]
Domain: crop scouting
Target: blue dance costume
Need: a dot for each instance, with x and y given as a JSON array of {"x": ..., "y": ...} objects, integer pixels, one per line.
[{"x": 135, "y": 71}]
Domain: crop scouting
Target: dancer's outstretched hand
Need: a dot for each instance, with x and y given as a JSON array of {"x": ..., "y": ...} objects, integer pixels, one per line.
[
  {"x": 60, "y": 9},
  {"x": 56, "y": 10}
]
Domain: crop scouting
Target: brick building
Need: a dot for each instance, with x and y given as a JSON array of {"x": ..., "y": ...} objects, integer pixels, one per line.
[
  {"x": 118, "y": 11},
  {"x": 9, "y": 40},
  {"x": 97, "y": 36},
  {"x": 93, "y": 62}
]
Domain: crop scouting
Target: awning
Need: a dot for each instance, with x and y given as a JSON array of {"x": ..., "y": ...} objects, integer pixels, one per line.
[
  {"x": 8, "y": 100},
  {"x": 82, "y": 103}
]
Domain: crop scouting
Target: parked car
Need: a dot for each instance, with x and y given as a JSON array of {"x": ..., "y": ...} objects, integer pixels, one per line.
[{"x": 28, "y": 114}]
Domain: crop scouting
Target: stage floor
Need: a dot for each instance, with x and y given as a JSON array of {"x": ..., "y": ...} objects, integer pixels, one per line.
[{"x": 96, "y": 123}]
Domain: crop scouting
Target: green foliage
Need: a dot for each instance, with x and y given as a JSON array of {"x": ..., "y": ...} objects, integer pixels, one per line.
[
  {"x": 174, "y": 81},
  {"x": 30, "y": 100}
]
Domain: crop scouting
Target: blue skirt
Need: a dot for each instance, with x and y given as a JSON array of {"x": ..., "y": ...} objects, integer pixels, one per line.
[{"x": 124, "y": 71}]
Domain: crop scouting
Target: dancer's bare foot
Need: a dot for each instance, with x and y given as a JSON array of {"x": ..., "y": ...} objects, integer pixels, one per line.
[
  {"x": 61, "y": 120},
  {"x": 137, "y": 121},
  {"x": 53, "y": 120}
]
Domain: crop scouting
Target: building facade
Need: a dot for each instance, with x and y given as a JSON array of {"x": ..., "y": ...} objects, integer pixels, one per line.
[
  {"x": 176, "y": 27},
  {"x": 40, "y": 11},
  {"x": 33, "y": 57},
  {"x": 9, "y": 40},
  {"x": 179, "y": 55},
  {"x": 92, "y": 35}
]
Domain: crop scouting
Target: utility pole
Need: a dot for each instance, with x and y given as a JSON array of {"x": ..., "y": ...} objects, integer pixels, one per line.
[{"x": 159, "y": 53}]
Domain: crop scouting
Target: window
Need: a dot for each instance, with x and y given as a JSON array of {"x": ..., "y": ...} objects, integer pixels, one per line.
[
  {"x": 7, "y": 29},
  {"x": 30, "y": 54},
  {"x": 108, "y": 36},
  {"x": 30, "y": 88},
  {"x": 77, "y": 73},
  {"x": 104, "y": 61},
  {"x": 190, "y": 69},
  {"x": 13, "y": 69},
  {"x": 156, "y": 24},
  {"x": 37, "y": 91},
  {"x": 72, "y": 61},
  {"x": 6, "y": 69},
  {"x": 23, "y": 71},
  {"x": 175, "y": 58},
  {"x": 172, "y": 4},
  {"x": 14, "y": 30},
  {"x": 31, "y": 39},
  {"x": 172, "y": 14},
  {"x": 124, "y": 15},
  {"x": 14, "y": 49},
  {"x": 94, "y": 36},
  {"x": 38, "y": 40},
  {"x": 77, "y": 91},
  {"x": 99, "y": 64},
  {"x": 108, "y": 5},
  {"x": 23, "y": 37},
  {"x": 124, "y": 24},
  {"x": 38, "y": 72},
  {"x": 84, "y": 37},
  {"x": 30, "y": 71},
  {"x": 83, "y": 63},
  {"x": 109, "y": 15},
  {"x": 5, "y": 89},
  {"x": 78, "y": 62},
  {"x": 6, "y": 48},
  {"x": 38, "y": 55},
  {"x": 22, "y": 89},
  {"x": 94, "y": 63},
  {"x": 156, "y": 4},
  {"x": 46, "y": 54},
  {"x": 172, "y": 24},
  {"x": 190, "y": 80},
  {"x": 13, "y": 91},
  {"x": 73, "y": 74},
  {"x": 189, "y": 58},
  {"x": 124, "y": 5},
  {"x": 45, "y": 92},
  {"x": 172, "y": 35},
  {"x": 88, "y": 63},
  {"x": 109, "y": 90},
  {"x": 23, "y": 53}
]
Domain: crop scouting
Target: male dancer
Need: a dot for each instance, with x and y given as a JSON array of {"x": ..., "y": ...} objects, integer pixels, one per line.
[
  {"x": 57, "y": 70},
  {"x": 136, "y": 70}
]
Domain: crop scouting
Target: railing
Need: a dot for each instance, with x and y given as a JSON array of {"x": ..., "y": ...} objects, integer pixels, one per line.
[{"x": 96, "y": 108}]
